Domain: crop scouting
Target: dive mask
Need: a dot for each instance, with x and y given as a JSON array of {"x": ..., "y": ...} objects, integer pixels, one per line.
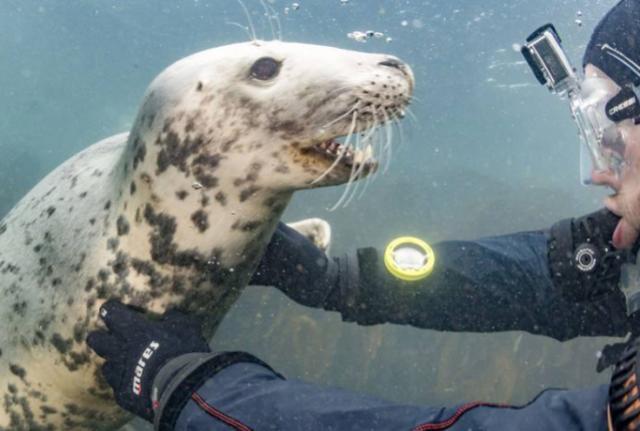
[{"x": 596, "y": 108}]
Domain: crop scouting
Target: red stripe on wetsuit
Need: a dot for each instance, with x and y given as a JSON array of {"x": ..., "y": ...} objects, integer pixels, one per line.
[
  {"x": 437, "y": 426},
  {"x": 432, "y": 426},
  {"x": 232, "y": 422}
]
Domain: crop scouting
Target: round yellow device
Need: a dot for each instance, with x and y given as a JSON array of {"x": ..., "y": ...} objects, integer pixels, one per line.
[{"x": 409, "y": 258}]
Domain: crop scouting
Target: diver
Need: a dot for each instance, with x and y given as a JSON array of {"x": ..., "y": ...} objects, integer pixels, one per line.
[{"x": 562, "y": 283}]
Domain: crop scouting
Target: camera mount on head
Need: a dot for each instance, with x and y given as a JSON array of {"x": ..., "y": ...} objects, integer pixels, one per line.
[{"x": 548, "y": 61}]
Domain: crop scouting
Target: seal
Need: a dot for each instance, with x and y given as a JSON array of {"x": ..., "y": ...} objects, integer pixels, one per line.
[{"x": 177, "y": 212}]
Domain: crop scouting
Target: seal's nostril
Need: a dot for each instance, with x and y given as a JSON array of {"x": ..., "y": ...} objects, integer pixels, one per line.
[{"x": 392, "y": 63}]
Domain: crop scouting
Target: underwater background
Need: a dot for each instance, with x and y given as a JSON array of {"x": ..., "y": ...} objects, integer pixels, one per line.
[{"x": 487, "y": 151}]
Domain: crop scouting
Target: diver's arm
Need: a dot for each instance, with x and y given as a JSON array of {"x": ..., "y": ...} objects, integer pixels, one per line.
[
  {"x": 494, "y": 284},
  {"x": 164, "y": 371}
]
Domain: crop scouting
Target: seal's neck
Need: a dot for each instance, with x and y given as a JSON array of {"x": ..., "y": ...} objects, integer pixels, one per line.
[{"x": 184, "y": 198}]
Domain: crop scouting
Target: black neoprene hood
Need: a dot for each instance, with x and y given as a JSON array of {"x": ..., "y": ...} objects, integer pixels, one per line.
[{"x": 620, "y": 29}]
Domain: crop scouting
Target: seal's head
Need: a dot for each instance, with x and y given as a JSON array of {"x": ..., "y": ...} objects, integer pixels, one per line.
[{"x": 270, "y": 108}]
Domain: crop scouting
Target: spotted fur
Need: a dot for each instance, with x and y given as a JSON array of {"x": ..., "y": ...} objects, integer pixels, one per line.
[{"x": 175, "y": 213}]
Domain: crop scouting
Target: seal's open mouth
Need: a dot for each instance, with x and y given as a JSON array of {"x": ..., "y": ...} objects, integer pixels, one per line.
[{"x": 334, "y": 151}]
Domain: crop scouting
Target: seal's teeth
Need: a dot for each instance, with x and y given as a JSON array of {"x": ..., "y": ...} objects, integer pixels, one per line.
[
  {"x": 363, "y": 156},
  {"x": 368, "y": 152},
  {"x": 331, "y": 148},
  {"x": 348, "y": 155},
  {"x": 359, "y": 157}
]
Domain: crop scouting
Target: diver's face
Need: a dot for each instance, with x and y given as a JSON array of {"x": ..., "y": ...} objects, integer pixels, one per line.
[
  {"x": 630, "y": 133},
  {"x": 625, "y": 201}
]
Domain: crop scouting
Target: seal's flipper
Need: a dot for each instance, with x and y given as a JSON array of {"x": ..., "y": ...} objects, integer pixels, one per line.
[{"x": 317, "y": 230}]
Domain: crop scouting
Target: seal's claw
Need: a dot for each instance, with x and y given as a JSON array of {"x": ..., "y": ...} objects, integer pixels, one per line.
[{"x": 316, "y": 230}]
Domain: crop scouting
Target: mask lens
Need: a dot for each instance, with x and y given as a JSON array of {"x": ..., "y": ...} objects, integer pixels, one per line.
[
  {"x": 603, "y": 147},
  {"x": 612, "y": 143},
  {"x": 586, "y": 166}
]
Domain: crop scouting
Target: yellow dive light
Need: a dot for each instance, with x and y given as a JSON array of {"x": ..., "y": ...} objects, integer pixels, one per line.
[{"x": 409, "y": 258}]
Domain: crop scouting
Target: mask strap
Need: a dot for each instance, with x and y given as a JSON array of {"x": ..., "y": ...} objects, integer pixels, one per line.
[
  {"x": 622, "y": 58},
  {"x": 632, "y": 66}
]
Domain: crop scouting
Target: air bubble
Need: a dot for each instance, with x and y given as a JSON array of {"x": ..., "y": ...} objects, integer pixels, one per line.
[
  {"x": 358, "y": 36},
  {"x": 363, "y": 36}
]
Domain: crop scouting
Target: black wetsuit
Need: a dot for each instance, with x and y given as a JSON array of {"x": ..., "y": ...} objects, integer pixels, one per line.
[{"x": 237, "y": 392}]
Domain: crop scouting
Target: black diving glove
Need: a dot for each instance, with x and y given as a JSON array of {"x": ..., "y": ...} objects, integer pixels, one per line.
[
  {"x": 135, "y": 349},
  {"x": 294, "y": 265}
]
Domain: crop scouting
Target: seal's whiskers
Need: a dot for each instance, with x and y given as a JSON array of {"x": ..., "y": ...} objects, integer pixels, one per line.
[
  {"x": 386, "y": 149},
  {"x": 252, "y": 35},
  {"x": 343, "y": 148},
  {"x": 347, "y": 189},
  {"x": 276, "y": 18},
  {"x": 399, "y": 132},
  {"x": 367, "y": 152},
  {"x": 356, "y": 171},
  {"x": 332, "y": 122},
  {"x": 267, "y": 14},
  {"x": 409, "y": 111},
  {"x": 244, "y": 28},
  {"x": 376, "y": 154}
]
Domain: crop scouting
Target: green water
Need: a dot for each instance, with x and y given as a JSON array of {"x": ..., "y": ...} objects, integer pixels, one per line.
[{"x": 488, "y": 152}]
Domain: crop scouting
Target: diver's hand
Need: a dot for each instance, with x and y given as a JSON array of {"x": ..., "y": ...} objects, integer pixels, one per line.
[
  {"x": 135, "y": 348},
  {"x": 299, "y": 269}
]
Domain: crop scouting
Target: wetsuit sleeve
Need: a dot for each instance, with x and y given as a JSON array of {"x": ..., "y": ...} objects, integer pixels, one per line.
[
  {"x": 488, "y": 285},
  {"x": 248, "y": 395},
  {"x": 493, "y": 284}
]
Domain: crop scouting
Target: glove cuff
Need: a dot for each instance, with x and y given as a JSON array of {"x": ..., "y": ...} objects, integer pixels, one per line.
[
  {"x": 176, "y": 382},
  {"x": 345, "y": 291}
]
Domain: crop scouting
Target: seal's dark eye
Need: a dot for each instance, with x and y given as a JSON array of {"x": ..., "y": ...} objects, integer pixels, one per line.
[{"x": 265, "y": 68}]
